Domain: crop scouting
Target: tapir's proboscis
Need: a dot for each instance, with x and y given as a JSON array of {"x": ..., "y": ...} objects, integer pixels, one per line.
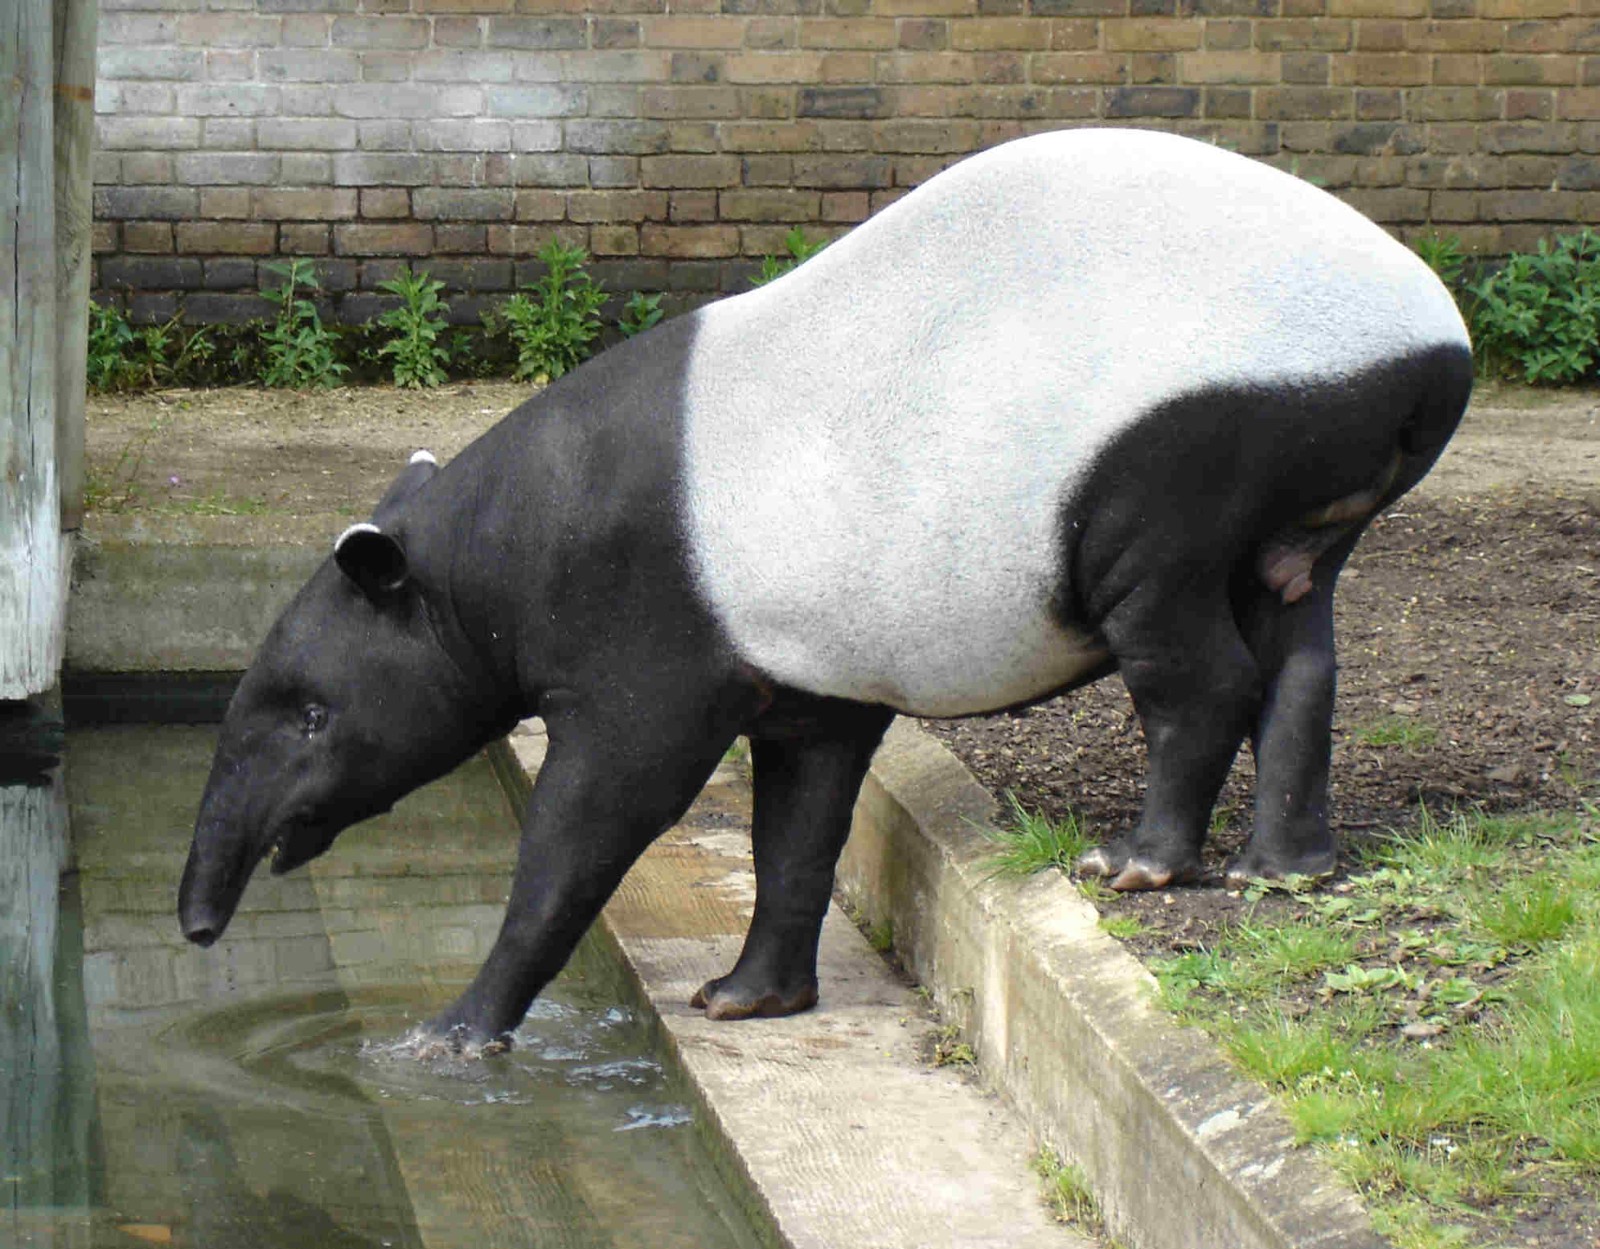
[{"x": 1093, "y": 401}]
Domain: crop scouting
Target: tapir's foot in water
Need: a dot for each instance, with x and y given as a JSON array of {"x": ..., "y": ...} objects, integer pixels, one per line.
[
  {"x": 1127, "y": 868},
  {"x": 444, "y": 1038},
  {"x": 1256, "y": 862},
  {"x": 736, "y": 997}
]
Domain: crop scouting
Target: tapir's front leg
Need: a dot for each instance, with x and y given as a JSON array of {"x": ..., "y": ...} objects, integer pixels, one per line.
[
  {"x": 807, "y": 775},
  {"x": 605, "y": 792}
]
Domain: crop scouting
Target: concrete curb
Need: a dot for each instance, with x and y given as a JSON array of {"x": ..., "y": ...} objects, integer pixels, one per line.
[{"x": 1180, "y": 1151}]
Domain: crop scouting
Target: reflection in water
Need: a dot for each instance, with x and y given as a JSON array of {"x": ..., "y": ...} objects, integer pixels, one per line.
[{"x": 252, "y": 1096}]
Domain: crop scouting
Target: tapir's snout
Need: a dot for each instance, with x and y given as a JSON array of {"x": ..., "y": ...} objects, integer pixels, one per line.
[{"x": 208, "y": 895}]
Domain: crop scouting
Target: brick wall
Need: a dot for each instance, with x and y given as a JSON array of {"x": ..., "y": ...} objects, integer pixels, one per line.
[{"x": 678, "y": 139}]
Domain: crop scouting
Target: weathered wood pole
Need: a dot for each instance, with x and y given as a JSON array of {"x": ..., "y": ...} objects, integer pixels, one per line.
[
  {"x": 33, "y": 556},
  {"x": 76, "y": 23}
]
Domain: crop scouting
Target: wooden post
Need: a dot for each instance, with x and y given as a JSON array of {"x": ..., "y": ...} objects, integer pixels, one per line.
[
  {"x": 32, "y": 554},
  {"x": 76, "y": 22}
]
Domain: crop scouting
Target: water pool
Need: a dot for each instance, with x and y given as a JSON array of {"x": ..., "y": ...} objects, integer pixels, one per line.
[{"x": 250, "y": 1096}]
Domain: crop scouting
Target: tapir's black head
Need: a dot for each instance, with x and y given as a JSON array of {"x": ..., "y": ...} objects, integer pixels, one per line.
[{"x": 356, "y": 697}]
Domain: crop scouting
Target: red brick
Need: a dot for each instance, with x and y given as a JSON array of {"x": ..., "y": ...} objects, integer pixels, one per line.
[
  {"x": 689, "y": 242},
  {"x": 614, "y": 240},
  {"x": 147, "y": 237},
  {"x": 689, "y": 171},
  {"x": 1531, "y": 71},
  {"x": 1151, "y": 34},
  {"x": 232, "y": 238},
  {"x": 992, "y": 33},
  {"x": 1304, "y": 35},
  {"x": 1076, "y": 67},
  {"x": 408, "y": 239}
]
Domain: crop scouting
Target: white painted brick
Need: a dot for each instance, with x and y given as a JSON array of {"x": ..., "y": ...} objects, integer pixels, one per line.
[
  {"x": 465, "y": 135},
  {"x": 555, "y": 100},
  {"x": 306, "y": 169},
  {"x": 305, "y": 100},
  {"x": 227, "y": 168},
  {"x": 228, "y": 100},
  {"x": 384, "y": 136},
  {"x": 306, "y": 134},
  {"x": 144, "y": 133},
  {"x": 462, "y": 67},
  {"x": 144, "y": 29},
  {"x": 230, "y": 66},
  {"x": 309, "y": 65},
  {"x": 382, "y": 169},
  {"x": 408, "y": 101},
  {"x": 234, "y": 134},
  {"x": 172, "y": 64},
  {"x": 536, "y": 136}
]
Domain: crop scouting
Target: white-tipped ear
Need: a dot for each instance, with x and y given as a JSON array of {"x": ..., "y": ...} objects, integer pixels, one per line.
[
  {"x": 423, "y": 457},
  {"x": 374, "y": 560},
  {"x": 365, "y": 526}
]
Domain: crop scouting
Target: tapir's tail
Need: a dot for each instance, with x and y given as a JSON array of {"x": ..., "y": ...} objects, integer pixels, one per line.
[
  {"x": 1447, "y": 385},
  {"x": 1284, "y": 561}
]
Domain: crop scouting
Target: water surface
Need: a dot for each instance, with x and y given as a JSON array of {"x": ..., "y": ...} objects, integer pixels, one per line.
[{"x": 252, "y": 1095}]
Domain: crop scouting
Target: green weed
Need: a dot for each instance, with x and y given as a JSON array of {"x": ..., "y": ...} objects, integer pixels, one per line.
[
  {"x": 1122, "y": 927},
  {"x": 416, "y": 345},
  {"x": 1399, "y": 731},
  {"x": 1066, "y": 1190},
  {"x": 554, "y": 321},
  {"x": 1442, "y": 253},
  {"x": 799, "y": 249},
  {"x": 949, "y": 1050},
  {"x": 639, "y": 314},
  {"x": 1035, "y": 843},
  {"x": 298, "y": 348}
]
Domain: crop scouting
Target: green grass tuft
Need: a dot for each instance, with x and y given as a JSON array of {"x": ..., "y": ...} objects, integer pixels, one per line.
[{"x": 1035, "y": 843}]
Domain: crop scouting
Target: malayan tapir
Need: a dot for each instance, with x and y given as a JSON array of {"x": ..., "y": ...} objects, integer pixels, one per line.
[{"x": 1088, "y": 402}]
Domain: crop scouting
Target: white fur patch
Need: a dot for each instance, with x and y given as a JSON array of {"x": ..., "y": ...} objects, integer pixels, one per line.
[
  {"x": 878, "y": 445},
  {"x": 365, "y": 526},
  {"x": 422, "y": 457}
]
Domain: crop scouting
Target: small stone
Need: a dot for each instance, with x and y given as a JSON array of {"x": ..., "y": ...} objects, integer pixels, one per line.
[
  {"x": 1510, "y": 774},
  {"x": 1422, "y": 1030},
  {"x": 1404, "y": 708}
]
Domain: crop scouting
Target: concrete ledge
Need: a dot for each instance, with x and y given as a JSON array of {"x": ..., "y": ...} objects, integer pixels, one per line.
[{"x": 1181, "y": 1153}]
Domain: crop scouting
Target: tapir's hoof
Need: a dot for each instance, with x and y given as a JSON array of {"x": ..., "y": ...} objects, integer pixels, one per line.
[
  {"x": 436, "y": 1040},
  {"x": 1128, "y": 872},
  {"x": 723, "y": 999},
  {"x": 1254, "y": 864}
]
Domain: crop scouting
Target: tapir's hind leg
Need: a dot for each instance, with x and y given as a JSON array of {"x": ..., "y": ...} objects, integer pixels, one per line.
[
  {"x": 1294, "y": 647},
  {"x": 807, "y": 774},
  {"x": 1196, "y": 688}
]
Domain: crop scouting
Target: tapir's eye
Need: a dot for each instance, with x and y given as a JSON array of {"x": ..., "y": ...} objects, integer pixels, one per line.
[{"x": 314, "y": 719}]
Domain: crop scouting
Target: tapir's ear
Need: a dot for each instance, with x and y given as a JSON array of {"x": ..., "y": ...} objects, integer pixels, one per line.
[
  {"x": 416, "y": 474},
  {"x": 374, "y": 560}
]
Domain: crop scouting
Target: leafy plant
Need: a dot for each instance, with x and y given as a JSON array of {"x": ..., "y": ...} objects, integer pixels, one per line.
[
  {"x": 1442, "y": 253},
  {"x": 124, "y": 358},
  {"x": 799, "y": 248},
  {"x": 639, "y": 313},
  {"x": 553, "y": 324},
  {"x": 1538, "y": 317},
  {"x": 299, "y": 349},
  {"x": 419, "y": 353},
  {"x": 111, "y": 344}
]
